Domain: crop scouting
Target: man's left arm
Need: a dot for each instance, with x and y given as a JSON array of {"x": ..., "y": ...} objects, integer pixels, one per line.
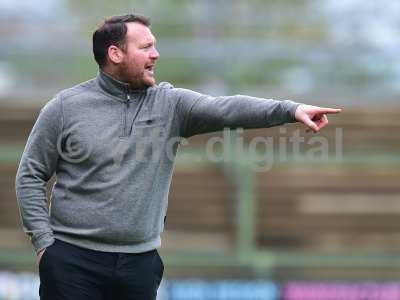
[{"x": 200, "y": 113}]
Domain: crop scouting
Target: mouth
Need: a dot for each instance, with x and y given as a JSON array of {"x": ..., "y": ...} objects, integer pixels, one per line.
[{"x": 149, "y": 69}]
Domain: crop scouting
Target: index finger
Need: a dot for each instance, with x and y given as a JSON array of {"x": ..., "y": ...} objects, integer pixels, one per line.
[{"x": 326, "y": 110}]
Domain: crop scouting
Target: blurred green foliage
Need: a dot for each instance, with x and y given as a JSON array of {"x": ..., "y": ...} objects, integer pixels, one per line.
[{"x": 281, "y": 45}]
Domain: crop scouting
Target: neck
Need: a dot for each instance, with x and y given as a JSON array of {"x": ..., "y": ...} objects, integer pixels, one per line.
[{"x": 115, "y": 74}]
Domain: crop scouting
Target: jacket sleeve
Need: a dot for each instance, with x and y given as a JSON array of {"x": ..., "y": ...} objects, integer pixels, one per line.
[
  {"x": 37, "y": 165},
  {"x": 200, "y": 113}
]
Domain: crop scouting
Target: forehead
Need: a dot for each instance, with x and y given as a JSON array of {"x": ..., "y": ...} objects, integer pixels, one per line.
[{"x": 139, "y": 33}]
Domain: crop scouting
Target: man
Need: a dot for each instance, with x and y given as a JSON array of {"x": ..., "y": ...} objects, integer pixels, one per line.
[{"x": 107, "y": 141}]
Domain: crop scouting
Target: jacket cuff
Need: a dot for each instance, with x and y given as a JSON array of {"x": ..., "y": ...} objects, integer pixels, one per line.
[
  {"x": 291, "y": 107},
  {"x": 42, "y": 241}
]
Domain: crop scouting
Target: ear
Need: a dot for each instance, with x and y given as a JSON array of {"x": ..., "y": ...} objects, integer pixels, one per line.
[{"x": 115, "y": 54}]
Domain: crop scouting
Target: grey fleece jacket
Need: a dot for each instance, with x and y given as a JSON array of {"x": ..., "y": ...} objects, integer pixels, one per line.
[{"x": 112, "y": 150}]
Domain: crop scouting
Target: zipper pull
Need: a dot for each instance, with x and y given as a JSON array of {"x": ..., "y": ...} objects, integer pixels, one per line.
[{"x": 128, "y": 99}]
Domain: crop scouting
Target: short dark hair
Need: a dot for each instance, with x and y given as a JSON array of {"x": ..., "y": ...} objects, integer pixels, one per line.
[{"x": 112, "y": 32}]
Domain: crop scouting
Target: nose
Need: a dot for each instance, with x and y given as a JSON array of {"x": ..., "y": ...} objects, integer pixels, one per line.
[{"x": 154, "y": 54}]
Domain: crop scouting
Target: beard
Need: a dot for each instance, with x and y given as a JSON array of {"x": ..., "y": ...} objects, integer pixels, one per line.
[{"x": 134, "y": 75}]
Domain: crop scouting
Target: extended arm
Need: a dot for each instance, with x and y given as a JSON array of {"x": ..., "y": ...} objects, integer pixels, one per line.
[{"x": 202, "y": 113}]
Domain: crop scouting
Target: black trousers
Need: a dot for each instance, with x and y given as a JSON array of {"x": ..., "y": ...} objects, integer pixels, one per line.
[{"x": 69, "y": 272}]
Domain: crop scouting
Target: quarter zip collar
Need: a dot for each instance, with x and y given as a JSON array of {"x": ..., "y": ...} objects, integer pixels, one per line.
[{"x": 115, "y": 87}]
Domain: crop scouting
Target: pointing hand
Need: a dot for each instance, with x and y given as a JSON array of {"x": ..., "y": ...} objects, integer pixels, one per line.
[{"x": 314, "y": 117}]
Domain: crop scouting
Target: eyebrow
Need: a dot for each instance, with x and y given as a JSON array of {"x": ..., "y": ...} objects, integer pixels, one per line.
[{"x": 150, "y": 42}]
